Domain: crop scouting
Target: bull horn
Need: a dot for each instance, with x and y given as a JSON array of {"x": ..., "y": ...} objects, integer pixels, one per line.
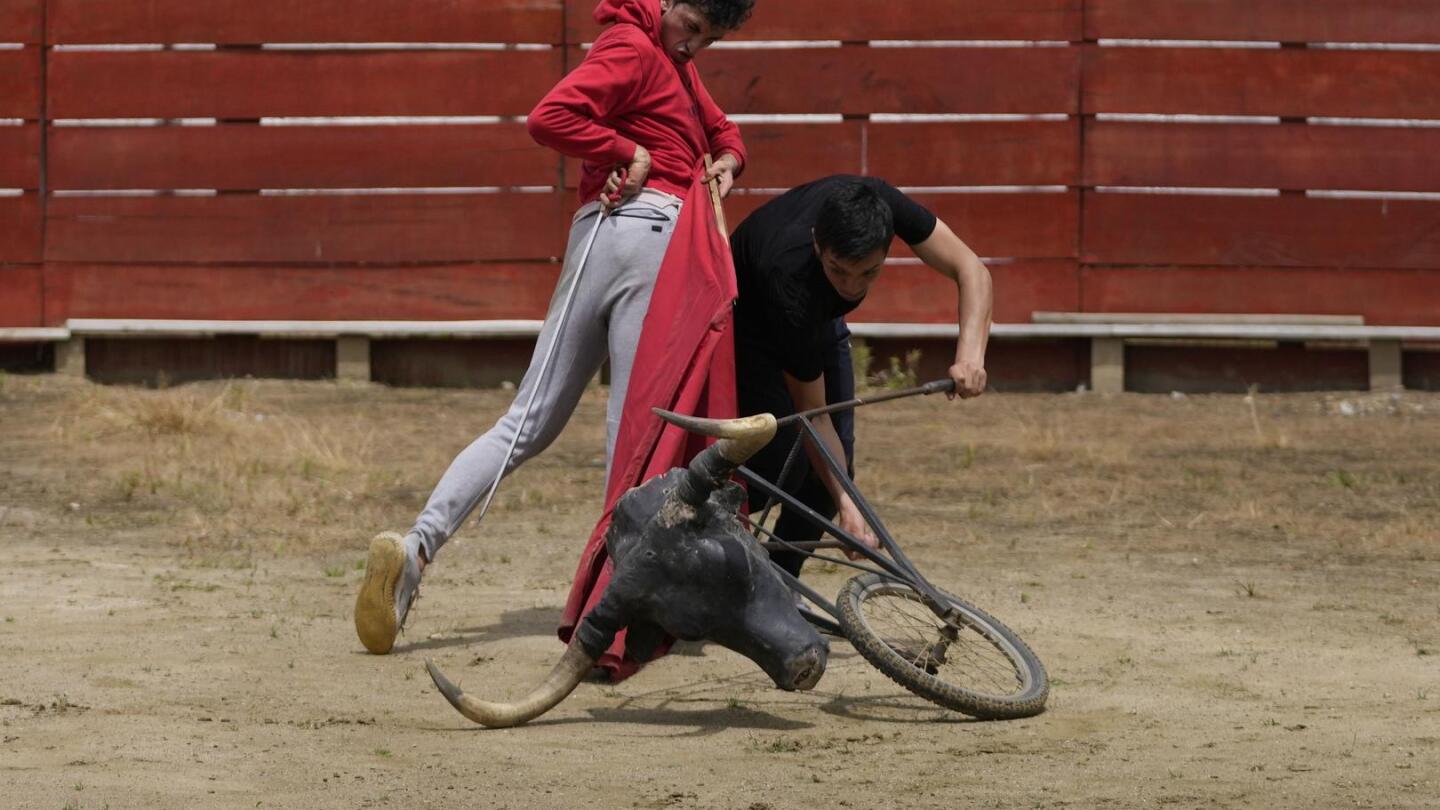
[
  {"x": 562, "y": 680},
  {"x": 739, "y": 438}
]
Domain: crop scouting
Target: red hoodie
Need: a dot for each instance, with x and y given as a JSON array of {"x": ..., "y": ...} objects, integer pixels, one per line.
[{"x": 628, "y": 91}]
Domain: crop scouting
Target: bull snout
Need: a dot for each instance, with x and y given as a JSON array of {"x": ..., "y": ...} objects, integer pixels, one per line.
[{"x": 803, "y": 671}]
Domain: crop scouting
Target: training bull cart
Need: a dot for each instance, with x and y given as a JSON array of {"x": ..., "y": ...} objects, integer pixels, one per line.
[
  {"x": 679, "y": 548},
  {"x": 939, "y": 646}
]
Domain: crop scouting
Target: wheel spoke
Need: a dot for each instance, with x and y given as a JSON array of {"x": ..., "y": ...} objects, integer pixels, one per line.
[{"x": 972, "y": 659}]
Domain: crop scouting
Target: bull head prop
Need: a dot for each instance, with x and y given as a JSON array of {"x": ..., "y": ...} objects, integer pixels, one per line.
[{"x": 683, "y": 566}]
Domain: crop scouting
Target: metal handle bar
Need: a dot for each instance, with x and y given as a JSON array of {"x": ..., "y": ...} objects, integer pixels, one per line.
[{"x": 935, "y": 387}]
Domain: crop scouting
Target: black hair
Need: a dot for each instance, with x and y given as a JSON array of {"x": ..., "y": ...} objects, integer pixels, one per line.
[
  {"x": 854, "y": 221},
  {"x": 726, "y": 14}
]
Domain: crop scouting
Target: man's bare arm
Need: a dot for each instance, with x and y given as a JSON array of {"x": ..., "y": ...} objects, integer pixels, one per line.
[
  {"x": 945, "y": 253},
  {"x": 808, "y": 395}
]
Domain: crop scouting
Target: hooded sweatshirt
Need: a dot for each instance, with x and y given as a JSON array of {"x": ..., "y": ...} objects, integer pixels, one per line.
[{"x": 628, "y": 91}]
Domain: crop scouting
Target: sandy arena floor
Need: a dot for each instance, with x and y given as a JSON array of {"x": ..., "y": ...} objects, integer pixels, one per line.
[{"x": 1236, "y": 600}]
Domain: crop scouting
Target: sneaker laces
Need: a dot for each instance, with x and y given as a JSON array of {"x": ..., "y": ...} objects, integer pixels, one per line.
[{"x": 407, "y": 591}]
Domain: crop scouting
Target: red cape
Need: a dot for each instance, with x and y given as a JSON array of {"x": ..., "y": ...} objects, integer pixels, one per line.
[{"x": 685, "y": 363}]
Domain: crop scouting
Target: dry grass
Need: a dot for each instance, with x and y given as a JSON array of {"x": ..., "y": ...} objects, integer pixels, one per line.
[
  {"x": 249, "y": 467},
  {"x": 238, "y": 472}
]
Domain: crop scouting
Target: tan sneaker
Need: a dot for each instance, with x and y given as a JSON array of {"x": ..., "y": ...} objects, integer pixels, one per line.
[{"x": 392, "y": 581}]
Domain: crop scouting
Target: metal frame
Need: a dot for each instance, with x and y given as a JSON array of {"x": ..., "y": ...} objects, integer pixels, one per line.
[{"x": 895, "y": 566}]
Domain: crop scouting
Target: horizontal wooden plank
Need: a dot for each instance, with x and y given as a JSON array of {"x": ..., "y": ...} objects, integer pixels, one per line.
[
  {"x": 20, "y": 21},
  {"x": 1421, "y": 371},
  {"x": 1236, "y": 370},
  {"x": 917, "y": 294},
  {"x": 256, "y": 21},
  {"x": 1025, "y": 225},
  {"x": 20, "y": 157},
  {"x": 1283, "y": 82},
  {"x": 170, "y": 361},
  {"x": 253, "y": 84},
  {"x": 860, "y": 80},
  {"x": 1266, "y": 20},
  {"x": 427, "y": 292},
  {"x": 1382, "y": 296},
  {"x": 783, "y": 155},
  {"x": 22, "y": 295},
  {"x": 1288, "y": 231},
  {"x": 918, "y": 154},
  {"x": 20, "y": 83},
  {"x": 987, "y": 153},
  {"x": 20, "y": 229},
  {"x": 246, "y": 156},
  {"x": 313, "y": 229},
  {"x": 1289, "y": 156},
  {"x": 856, "y": 20}
]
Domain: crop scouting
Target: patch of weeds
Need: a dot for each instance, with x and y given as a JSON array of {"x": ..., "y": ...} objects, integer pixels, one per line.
[
  {"x": 172, "y": 583},
  {"x": 9, "y": 619},
  {"x": 1340, "y": 478},
  {"x": 968, "y": 459},
  {"x": 1386, "y": 618},
  {"x": 900, "y": 374},
  {"x": 779, "y": 745},
  {"x": 360, "y": 564},
  {"x": 1246, "y": 589},
  {"x": 1269, "y": 721},
  {"x": 1024, "y": 598},
  {"x": 381, "y": 752},
  {"x": 335, "y": 571},
  {"x": 504, "y": 559},
  {"x": 860, "y": 358}
]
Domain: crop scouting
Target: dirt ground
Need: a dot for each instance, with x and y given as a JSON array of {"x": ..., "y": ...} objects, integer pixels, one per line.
[{"x": 1236, "y": 600}]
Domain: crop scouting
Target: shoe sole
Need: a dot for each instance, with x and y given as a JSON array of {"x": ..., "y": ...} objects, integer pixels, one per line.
[{"x": 375, "y": 620}]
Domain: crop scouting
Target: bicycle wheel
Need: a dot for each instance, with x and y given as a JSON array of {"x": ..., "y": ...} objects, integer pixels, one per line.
[{"x": 971, "y": 663}]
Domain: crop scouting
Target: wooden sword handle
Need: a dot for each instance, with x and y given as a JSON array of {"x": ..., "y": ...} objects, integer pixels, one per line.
[{"x": 714, "y": 184}]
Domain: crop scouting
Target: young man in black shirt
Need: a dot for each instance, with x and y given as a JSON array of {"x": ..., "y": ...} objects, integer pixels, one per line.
[{"x": 802, "y": 261}]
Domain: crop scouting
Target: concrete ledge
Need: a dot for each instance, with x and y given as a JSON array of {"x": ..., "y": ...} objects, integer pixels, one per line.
[
  {"x": 120, "y": 327},
  {"x": 33, "y": 334},
  {"x": 1212, "y": 331},
  {"x": 1106, "y": 331},
  {"x": 1195, "y": 317}
]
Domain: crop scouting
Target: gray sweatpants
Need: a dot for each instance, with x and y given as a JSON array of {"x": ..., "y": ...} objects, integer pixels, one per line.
[{"x": 605, "y": 319}]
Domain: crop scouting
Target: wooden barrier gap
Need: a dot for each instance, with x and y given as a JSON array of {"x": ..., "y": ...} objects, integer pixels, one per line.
[{"x": 352, "y": 338}]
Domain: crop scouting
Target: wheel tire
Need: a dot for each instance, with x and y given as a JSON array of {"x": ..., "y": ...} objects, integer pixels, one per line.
[{"x": 983, "y": 692}]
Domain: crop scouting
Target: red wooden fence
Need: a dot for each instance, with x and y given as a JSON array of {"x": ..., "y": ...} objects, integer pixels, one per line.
[{"x": 176, "y": 180}]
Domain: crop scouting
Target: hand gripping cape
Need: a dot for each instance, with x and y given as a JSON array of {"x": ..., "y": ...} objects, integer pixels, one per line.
[{"x": 685, "y": 363}]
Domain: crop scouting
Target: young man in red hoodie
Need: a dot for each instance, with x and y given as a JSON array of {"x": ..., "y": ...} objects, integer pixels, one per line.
[{"x": 637, "y": 114}]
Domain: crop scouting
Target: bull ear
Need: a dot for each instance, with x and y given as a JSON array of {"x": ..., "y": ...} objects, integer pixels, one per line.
[{"x": 730, "y": 498}]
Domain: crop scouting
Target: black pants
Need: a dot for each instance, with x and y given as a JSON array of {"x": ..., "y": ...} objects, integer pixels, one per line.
[{"x": 761, "y": 388}]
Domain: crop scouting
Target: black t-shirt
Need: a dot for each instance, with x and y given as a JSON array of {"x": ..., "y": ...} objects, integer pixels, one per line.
[{"x": 786, "y": 308}]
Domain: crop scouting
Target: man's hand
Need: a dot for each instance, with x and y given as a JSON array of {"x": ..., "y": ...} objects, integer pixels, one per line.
[
  {"x": 723, "y": 168},
  {"x": 853, "y": 522},
  {"x": 969, "y": 379},
  {"x": 625, "y": 183}
]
